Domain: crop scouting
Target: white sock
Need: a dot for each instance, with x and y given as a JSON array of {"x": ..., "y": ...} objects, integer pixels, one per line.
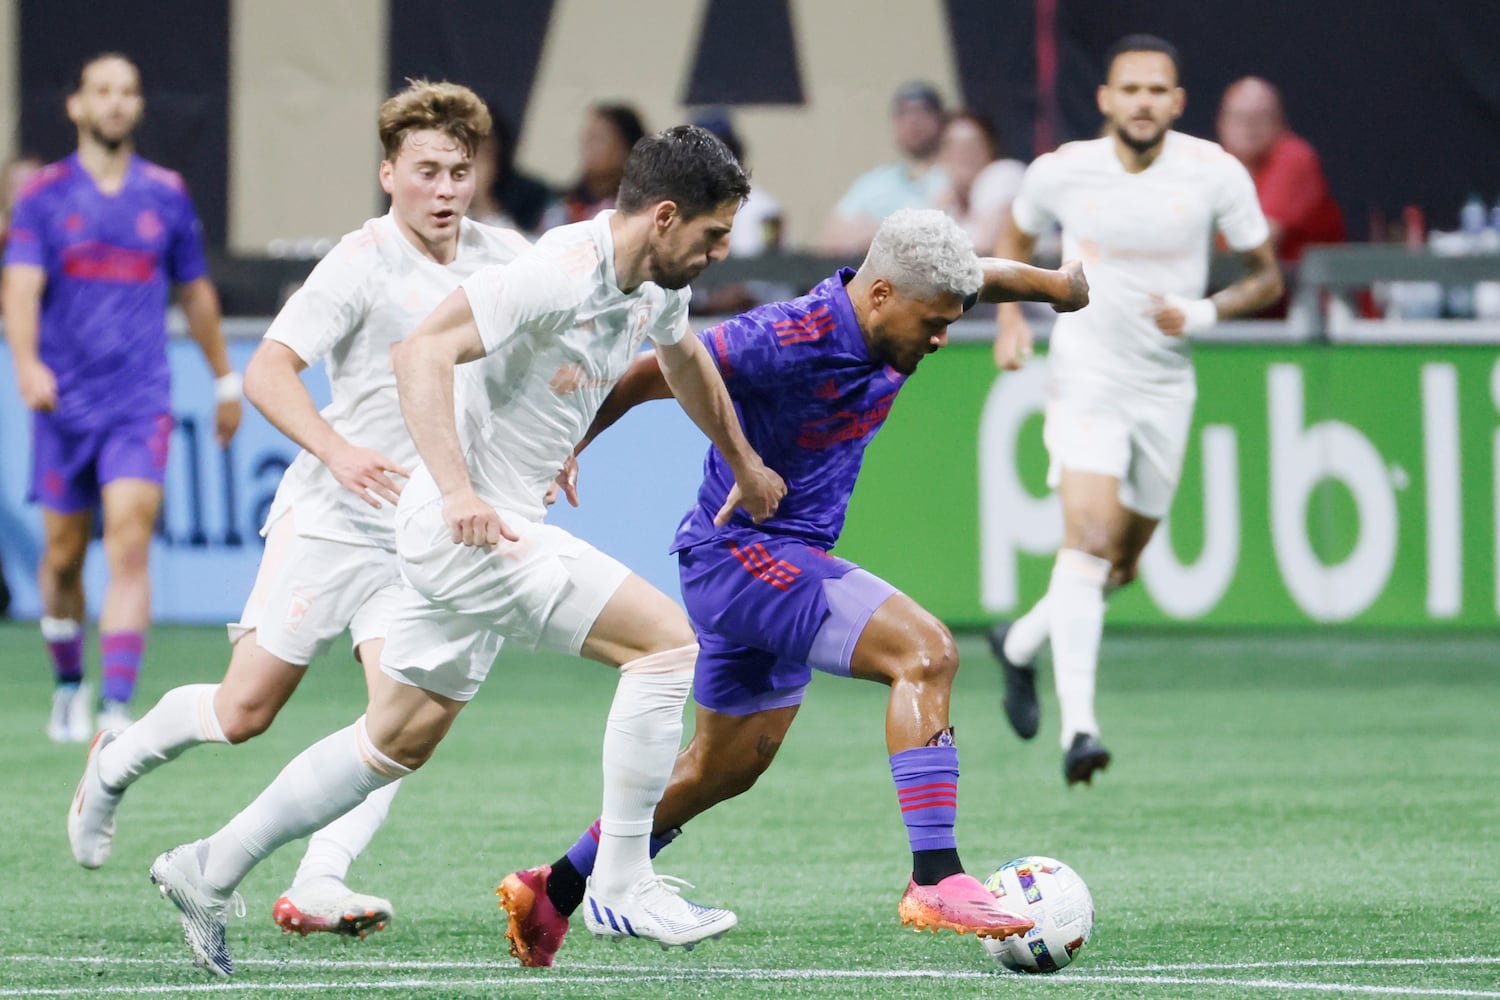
[
  {"x": 184, "y": 717},
  {"x": 1027, "y": 633},
  {"x": 1076, "y": 600},
  {"x": 320, "y": 784},
  {"x": 333, "y": 849},
  {"x": 641, "y": 742}
]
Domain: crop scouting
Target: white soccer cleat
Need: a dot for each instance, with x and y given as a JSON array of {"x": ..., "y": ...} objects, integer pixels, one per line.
[
  {"x": 72, "y": 718},
  {"x": 91, "y": 817},
  {"x": 654, "y": 909},
  {"x": 179, "y": 876},
  {"x": 327, "y": 904}
]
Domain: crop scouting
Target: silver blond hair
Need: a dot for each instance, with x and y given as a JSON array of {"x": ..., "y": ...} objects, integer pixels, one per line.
[{"x": 923, "y": 254}]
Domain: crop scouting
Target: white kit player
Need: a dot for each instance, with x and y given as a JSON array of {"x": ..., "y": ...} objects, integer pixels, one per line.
[
  {"x": 330, "y": 557},
  {"x": 1139, "y": 206},
  {"x": 528, "y": 351}
]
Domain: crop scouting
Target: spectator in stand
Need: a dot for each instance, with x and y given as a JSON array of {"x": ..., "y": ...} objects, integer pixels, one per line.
[
  {"x": 609, "y": 133},
  {"x": 1288, "y": 175},
  {"x": 757, "y": 227},
  {"x": 757, "y": 230},
  {"x": 981, "y": 181},
  {"x": 503, "y": 195},
  {"x": 914, "y": 181}
]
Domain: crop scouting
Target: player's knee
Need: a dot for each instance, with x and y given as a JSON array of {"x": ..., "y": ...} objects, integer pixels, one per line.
[
  {"x": 127, "y": 556},
  {"x": 63, "y": 566},
  {"x": 1122, "y": 574},
  {"x": 931, "y": 656},
  {"x": 243, "y": 721}
]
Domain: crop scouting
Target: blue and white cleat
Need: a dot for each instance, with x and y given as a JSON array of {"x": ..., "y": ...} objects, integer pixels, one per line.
[
  {"x": 179, "y": 876},
  {"x": 653, "y": 909}
]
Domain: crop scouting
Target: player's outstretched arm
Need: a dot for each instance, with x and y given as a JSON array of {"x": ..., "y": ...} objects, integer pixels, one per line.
[
  {"x": 200, "y": 305},
  {"x": 273, "y": 383},
  {"x": 700, "y": 389},
  {"x": 424, "y": 364},
  {"x": 1065, "y": 289},
  {"x": 21, "y": 288}
]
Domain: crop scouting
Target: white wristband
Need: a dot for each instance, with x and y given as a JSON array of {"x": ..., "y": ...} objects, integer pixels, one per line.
[
  {"x": 228, "y": 388},
  {"x": 1199, "y": 315}
]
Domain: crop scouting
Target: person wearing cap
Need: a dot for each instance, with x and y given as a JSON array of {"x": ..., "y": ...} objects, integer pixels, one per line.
[{"x": 914, "y": 181}]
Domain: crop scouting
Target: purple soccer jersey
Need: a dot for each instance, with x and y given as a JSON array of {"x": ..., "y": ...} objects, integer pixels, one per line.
[
  {"x": 767, "y": 599},
  {"x": 110, "y": 261},
  {"x": 810, "y": 398}
]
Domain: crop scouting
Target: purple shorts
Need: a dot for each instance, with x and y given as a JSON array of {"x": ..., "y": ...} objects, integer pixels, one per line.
[
  {"x": 768, "y": 609},
  {"x": 68, "y": 467}
]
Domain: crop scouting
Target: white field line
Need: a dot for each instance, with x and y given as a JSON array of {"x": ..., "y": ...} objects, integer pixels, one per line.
[
  {"x": 1290, "y": 985},
  {"x": 514, "y": 984},
  {"x": 561, "y": 979},
  {"x": 1292, "y": 963},
  {"x": 1084, "y": 969}
]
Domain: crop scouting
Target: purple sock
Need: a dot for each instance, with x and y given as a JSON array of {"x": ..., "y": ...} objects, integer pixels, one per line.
[
  {"x": 583, "y": 853},
  {"x": 121, "y": 653},
  {"x": 67, "y": 659},
  {"x": 927, "y": 789}
]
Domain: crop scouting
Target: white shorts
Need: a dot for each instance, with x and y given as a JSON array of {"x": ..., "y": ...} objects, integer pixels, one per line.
[
  {"x": 461, "y": 602},
  {"x": 1138, "y": 439},
  {"x": 309, "y": 590}
]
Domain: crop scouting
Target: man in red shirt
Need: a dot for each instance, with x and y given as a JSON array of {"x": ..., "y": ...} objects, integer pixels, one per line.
[{"x": 1288, "y": 176}]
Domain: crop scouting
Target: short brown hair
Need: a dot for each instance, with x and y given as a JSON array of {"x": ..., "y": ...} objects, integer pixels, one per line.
[
  {"x": 108, "y": 56},
  {"x": 450, "y": 108}
]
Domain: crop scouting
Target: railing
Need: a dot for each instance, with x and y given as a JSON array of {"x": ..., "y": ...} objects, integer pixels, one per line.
[{"x": 1325, "y": 283}]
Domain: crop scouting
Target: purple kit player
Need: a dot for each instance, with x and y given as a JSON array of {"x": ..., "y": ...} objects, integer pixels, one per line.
[
  {"x": 813, "y": 380},
  {"x": 95, "y": 242}
]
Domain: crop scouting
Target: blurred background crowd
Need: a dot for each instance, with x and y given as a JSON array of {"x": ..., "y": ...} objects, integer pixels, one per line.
[{"x": 1365, "y": 122}]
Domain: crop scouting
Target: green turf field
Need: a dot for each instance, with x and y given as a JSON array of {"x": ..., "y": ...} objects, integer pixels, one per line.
[{"x": 1301, "y": 815}]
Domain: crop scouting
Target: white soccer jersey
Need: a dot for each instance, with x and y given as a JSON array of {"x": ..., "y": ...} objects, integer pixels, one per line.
[
  {"x": 1137, "y": 234},
  {"x": 559, "y": 333},
  {"x": 368, "y": 293}
]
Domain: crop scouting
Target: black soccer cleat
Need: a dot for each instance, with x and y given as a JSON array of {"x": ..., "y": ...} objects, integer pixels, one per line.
[
  {"x": 1021, "y": 707},
  {"x": 1083, "y": 758}
]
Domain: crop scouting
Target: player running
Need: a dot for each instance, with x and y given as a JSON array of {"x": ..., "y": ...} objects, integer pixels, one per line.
[
  {"x": 535, "y": 347},
  {"x": 330, "y": 560},
  {"x": 813, "y": 380},
  {"x": 96, "y": 243},
  {"x": 1139, "y": 207}
]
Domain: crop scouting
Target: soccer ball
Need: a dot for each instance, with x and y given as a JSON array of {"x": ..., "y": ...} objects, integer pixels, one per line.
[{"x": 1053, "y": 896}]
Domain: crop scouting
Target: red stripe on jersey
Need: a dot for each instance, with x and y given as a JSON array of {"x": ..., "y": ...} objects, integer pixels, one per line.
[
  {"x": 805, "y": 334},
  {"x": 760, "y": 564}
]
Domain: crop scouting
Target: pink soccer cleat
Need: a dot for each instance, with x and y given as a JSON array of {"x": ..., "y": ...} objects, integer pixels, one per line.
[
  {"x": 534, "y": 928},
  {"x": 328, "y": 905},
  {"x": 959, "y": 903}
]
